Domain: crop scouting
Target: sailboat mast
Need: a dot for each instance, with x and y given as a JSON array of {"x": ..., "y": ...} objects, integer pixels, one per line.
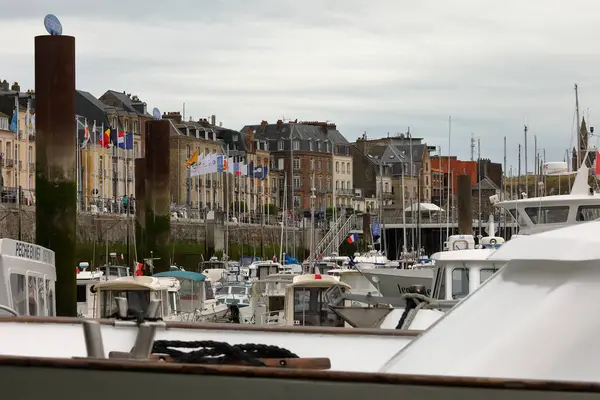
[
  {"x": 579, "y": 155},
  {"x": 479, "y": 178}
]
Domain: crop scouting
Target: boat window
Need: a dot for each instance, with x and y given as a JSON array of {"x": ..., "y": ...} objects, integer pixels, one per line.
[
  {"x": 238, "y": 290},
  {"x": 50, "y": 299},
  {"x": 81, "y": 293},
  {"x": 460, "y": 283},
  {"x": 548, "y": 215},
  {"x": 174, "y": 302},
  {"x": 32, "y": 295},
  {"x": 223, "y": 290},
  {"x": 588, "y": 213},
  {"x": 311, "y": 308},
  {"x": 486, "y": 273},
  {"x": 137, "y": 300},
  {"x": 209, "y": 291},
  {"x": 17, "y": 289},
  {"x": 41, "y": 297},
  {"x": 440, "y": 284}
]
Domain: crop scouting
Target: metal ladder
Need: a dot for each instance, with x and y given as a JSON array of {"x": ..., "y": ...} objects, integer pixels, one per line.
[{"x": 334, "y": 237}]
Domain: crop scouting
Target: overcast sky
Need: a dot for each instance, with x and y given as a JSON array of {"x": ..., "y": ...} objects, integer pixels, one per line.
[{"x": 369, "y": 65}]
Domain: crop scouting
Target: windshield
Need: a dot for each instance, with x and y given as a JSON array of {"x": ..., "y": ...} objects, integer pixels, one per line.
[{"x": 137, "y": 301}]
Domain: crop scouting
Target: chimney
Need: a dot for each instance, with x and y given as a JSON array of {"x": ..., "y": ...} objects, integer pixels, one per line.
[
  {"x": 5, "y": 85},
  {"x": 15, "y": 86},
  {"x": 213, "y": 119},
  {"x": 175, "y": 116}
]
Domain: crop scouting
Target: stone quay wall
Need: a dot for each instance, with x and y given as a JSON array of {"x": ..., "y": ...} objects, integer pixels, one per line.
[{"x": 114, "y": 228}]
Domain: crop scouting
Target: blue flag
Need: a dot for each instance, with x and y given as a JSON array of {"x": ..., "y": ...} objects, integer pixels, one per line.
[{"x": 13, "y": 122}]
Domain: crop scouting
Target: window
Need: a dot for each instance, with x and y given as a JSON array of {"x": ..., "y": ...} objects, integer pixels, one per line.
[
  {"x": 50, "y": 299},
  {"x": 460, "y": 283},
  {"x": 311, "y": 308},
  {"x": 318, "y": 146},
  {"x": 81, "y": 293},
  {"x": 328, "y": 165},
  {"x": 548, "y": 215},
  {"x": 328, "y": 183},
  {"x": 348, "y": 185},
  {"x": 337, "y": 166},
  {"x": 440, "y": 284},
  {"x": 30, "y": 154},
  {"x": 296, "y": 201},
  {"x": 337, "y": 185},
  {"x": 310, "y": 145},
  {"x": 296, "y": 145},
  {"x": 296, "y": 182},
  {"x": 296, "y": 163},
  {"x": 588, "y": 213},
  {"x": 32, "y": 295},
  {"x": 126, "y": 125},
  {"x": 280, "y": 163},
  {"x": 348, "y": 167},
  {"x": 343, "y": 168},
  {"x": 328, "y": 147},
  {"x": 486, "y": 273},
  {"x": 312, "y": 164},
  {"x": 17, "y": 289},
  {"x": 319, "y": 164},
  {"x": 41, "y": 297},
  {"x": 266, "y": 146}
]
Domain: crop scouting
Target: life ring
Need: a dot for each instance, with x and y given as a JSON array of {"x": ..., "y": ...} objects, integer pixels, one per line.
[{"x": 492, "y": 241}]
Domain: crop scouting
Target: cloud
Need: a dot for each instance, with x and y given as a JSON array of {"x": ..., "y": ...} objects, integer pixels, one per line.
[{"x": 377, "y": 66}]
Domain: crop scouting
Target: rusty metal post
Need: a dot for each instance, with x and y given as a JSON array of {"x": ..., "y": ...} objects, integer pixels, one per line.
[
  {"x": 157, "y": 193},
  {"x": 56, "y": 144},
  {"x": 465, "y": 212},
  {"x": 140, "y": 207}
]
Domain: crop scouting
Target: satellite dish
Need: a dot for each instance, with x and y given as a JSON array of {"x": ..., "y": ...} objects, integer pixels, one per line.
[
  {"x": 156, "y": 114},
  {"x": 52, "y": 24}
]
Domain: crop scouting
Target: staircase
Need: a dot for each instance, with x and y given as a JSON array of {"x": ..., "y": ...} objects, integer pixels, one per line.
[{"x": 334, "y": 237}]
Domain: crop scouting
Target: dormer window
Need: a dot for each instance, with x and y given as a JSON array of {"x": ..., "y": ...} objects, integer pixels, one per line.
[
  {"x": 296, "y": 145},
  {"x": 280, "y": 145},
  {"x": 234, "y": 138},
  {"x": 318, "y": 145},
  {"x": 214, "y": 136},
  {"x": 310, "y": 145},
  {"x": 266, "y": 146}
]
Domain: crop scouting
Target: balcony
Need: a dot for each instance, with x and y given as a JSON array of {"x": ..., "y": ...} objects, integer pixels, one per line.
[
  {"x": 388, "y": 195},
  {"x": 9, "y": 163},
  {"x": 324, "y": 190},
  {"x": 344, "y": 192}
]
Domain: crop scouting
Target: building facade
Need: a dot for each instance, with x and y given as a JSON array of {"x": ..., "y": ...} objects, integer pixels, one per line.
[{"x": 303, "y": 155}]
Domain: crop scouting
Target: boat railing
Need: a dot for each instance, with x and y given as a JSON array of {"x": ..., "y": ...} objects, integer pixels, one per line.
[{"x": 273, "y": 318}]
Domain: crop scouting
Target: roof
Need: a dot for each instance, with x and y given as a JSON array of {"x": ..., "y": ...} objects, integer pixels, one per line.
[
  {"x": 486, "y": 184},
  {"x": 428, "y": 207},
  {"x": 132, "y": 283},
  {"x": 193, "y": 276},
  {"x": 126, "y": 102}
]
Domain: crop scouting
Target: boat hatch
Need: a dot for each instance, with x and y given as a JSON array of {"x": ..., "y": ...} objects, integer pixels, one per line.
[{"x": 311, "y": 306}]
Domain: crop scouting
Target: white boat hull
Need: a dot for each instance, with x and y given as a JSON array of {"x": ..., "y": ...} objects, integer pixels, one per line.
[{"x": 396, "y": 282}]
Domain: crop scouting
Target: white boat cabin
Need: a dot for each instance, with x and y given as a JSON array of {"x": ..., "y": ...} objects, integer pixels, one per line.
[
  {"x": 261, "y": 269},
  {"x": 29, "y": 275},
  {"x": 234, "y": 293},
  {"x": 541, "y": 214},
  {"x": 127, "y": 297},
  {"x": 307, "y": 301},
  {"x": 219, "y": 271},
  {"x": 340, "y": 261}
]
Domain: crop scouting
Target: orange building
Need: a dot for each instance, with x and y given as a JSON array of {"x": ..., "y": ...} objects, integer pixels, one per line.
[{"x": 455, "y": 167}]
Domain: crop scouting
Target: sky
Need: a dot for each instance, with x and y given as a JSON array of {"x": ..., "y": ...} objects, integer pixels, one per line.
[{"x": 378, "y": 66}]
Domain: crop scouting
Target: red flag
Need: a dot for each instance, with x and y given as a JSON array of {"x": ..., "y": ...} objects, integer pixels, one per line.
[
  {"x": 597, "y": 169},
  {"x": 139, "y": 269}
]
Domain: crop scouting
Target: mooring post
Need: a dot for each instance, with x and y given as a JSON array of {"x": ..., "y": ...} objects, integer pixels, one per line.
[
  {"x": 157, "y": 193},
  {"x": 56, "y": 209},
  {"x": 465, "y": 212},
  {"x": 140, "y": 207}
]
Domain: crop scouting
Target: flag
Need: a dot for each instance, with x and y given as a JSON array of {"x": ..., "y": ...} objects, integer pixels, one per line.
[
  {"x": 86, "y": 136},
  {"x": 139, "y": 268},
  {"x": 352, "y": 238},
  {"x": 104, "y": 139},
  {"x": 597, "y": 169},
  {"x": 121, "y": 139},
  {"x": 13, "y": 122},
  {"x": 193, "y": 160},
  {"x": 265, "y": 172},
  {"x": 128, "y": 145},
  {"x": 236, "y": 169}
]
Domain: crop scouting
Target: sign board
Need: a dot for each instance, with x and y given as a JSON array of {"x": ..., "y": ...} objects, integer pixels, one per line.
[
  {"x": 156, "y": 114},
  {"x": 34, "y": 252},
  {"x": 52, "y": 24}
]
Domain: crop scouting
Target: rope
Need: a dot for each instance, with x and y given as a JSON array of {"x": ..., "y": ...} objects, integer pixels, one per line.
[
  {"x": 211, "y": 352},
  {"x": 414, "y": 302}
]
